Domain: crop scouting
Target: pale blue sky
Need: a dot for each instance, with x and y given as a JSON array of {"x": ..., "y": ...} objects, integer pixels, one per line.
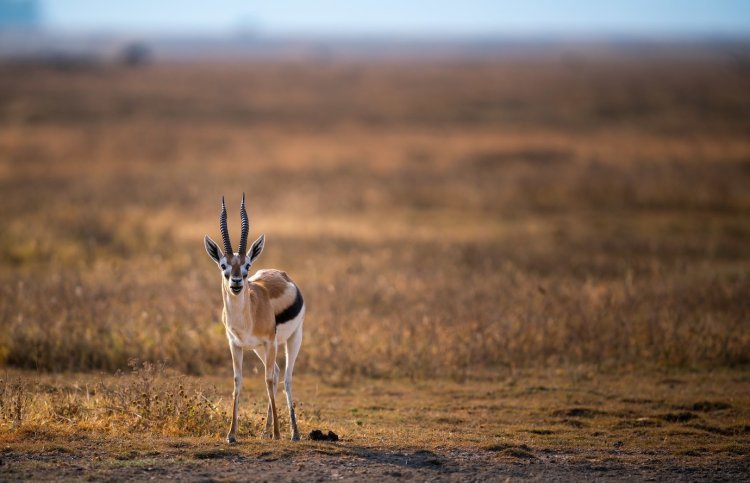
[{"x": 418, "y": 18}]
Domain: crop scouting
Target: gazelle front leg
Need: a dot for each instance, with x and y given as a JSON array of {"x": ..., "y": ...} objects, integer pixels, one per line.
[
  {"x": 270, "y": 366},
  {"x": 237, "y": 366}
]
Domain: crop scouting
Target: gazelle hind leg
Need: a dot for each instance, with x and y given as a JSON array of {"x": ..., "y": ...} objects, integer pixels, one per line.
[
  {"x": 267, "y": 433},
  {"x": 268, "y": 356},
  {"x": 271, "y": 348},
  {"x": 293, "y": 345},
  {"x": 261, "y": 353}
]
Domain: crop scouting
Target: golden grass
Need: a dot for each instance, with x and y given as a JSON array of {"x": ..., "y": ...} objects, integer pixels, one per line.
[{"x": 441, "y": 219}]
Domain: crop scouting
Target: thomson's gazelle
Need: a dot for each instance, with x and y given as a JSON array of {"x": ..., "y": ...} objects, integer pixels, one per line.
[{"x": 259, "y": 313}]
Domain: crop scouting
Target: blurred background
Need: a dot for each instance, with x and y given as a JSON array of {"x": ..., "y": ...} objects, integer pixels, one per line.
[{"x": 458, "y": 189}]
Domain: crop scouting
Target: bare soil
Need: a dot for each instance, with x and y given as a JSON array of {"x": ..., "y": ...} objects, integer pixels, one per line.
[
  {"x": 347, "y": 461},
  {"x": 571, "y": 425}
]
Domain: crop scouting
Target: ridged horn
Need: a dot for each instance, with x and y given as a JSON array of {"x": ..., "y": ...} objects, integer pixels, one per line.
[
  {"x": 224, "y": 230},
  {"x": 245, "y": 227}
]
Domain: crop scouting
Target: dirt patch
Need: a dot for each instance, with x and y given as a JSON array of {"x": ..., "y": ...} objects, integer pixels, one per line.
[
  {"x": 514, "y": 451},
  {"x": 636, "y": 400},
  {"x": 681, "y": 417},
  {"x": 449, "y": 420},
  {"x": 706, "y": 406},
  {"x": 575, "y": 423},
  {"x": 212, "y": 454},
  {"x": 723, "y": 430},
  {"x": 579, "y": 413},
  {"x": 519, "y": 453},
  {"x": 638, "y": 423},
  {"x": 127, "y": 455},
  {"x": 543, "y": 432}
]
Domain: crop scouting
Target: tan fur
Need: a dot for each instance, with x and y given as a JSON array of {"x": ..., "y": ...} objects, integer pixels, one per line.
[
  {"x": 274, "y": 281},
  {"x": 264, "y": 321},
  {"x": 280, "y": 287}
]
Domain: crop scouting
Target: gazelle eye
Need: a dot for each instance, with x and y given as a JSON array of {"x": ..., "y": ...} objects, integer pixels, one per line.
[
  {"x": 247, "y": 267},
  {"x": 223, "y": 267}
]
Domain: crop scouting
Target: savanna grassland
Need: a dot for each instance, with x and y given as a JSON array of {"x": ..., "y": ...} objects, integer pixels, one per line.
[{"x": 534, "y": 268}]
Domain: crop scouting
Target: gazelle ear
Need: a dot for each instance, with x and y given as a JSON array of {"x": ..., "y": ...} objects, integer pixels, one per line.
[
  {"x": 257, "y": 247},
  {"x": 212, "y": 249}
]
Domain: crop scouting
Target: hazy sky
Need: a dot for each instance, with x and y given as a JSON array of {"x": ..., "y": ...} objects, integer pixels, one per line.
[{"x": 459, "y": 17}]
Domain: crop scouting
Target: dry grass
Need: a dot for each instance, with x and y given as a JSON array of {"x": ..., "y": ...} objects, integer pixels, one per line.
[
  {"x": 146, "y": 399},
  {"x": 441, "y": 218},
  {"x": 573, "y": 423},
  {"x": 542, "y": 267}
]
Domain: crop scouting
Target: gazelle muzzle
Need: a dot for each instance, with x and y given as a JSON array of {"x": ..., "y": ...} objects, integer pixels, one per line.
[{"x": 236, "y": 284}]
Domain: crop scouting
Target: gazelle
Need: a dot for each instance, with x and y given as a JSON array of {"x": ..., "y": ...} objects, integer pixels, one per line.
[{"x": 259, "y": 313}]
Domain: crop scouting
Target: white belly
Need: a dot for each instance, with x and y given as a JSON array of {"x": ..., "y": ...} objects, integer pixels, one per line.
[{"x": 283, "y": 332}]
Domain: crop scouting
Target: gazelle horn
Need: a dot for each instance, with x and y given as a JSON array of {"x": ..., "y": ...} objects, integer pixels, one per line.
[
  {"x": 245, "y": 227},
  {"x": 224, "y": 230}
]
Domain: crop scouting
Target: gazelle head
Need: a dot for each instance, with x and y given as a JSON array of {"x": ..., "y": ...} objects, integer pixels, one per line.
[{"x": 234, "y": 267}]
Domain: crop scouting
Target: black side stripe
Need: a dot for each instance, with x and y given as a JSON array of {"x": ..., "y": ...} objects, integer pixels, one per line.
[{"x": 292, "y": 311}]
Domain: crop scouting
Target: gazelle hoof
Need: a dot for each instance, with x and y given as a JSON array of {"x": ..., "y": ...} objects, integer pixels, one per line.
[
  {"x": 295, "y": 437},
  {"x": 231, "y": 439}
]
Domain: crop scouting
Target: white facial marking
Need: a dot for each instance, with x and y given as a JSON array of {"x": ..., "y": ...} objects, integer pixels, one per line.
[{"x": 225, "y": 268}]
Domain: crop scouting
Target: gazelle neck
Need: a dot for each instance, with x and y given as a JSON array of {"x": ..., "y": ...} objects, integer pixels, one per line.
[
  {"x": 238, "y": 307},
  {"x": 235, "y": 304}
]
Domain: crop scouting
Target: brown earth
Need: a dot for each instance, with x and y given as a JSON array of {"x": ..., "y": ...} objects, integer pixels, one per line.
[{"x": 554, "y": 425}]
